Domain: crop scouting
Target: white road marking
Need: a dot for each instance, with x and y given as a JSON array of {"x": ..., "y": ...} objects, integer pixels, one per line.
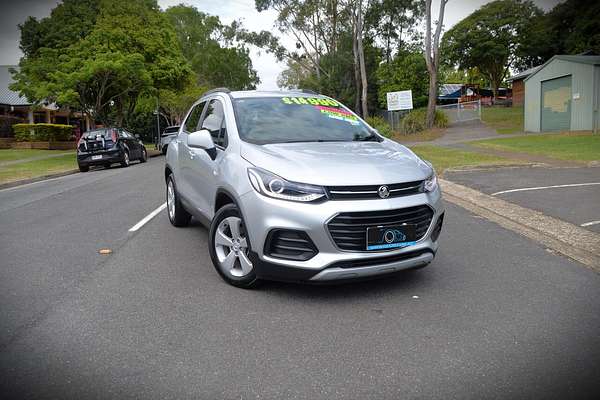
[
  {"x": 148, "y": 217},
  {"x": 546, "y": 187},
  {"x": 591, "y": 223}
]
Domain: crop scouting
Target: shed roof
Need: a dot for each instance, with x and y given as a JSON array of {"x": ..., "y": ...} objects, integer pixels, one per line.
[
  {"x": 8, "y": 96},
  {"x": 593, "y": 60},
  {"x": 523, "y": 74}
]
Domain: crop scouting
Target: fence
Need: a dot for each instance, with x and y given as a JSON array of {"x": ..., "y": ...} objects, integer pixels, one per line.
[
  {"x": 394, "y": 118},
  {"x": 459, "y": 112}
]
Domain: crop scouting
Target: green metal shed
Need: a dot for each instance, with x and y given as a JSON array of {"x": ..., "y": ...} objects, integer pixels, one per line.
[{"x": 564, "y": 94}]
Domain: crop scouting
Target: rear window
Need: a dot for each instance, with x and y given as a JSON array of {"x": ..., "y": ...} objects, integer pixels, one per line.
[{"x": 106, "y": 133}]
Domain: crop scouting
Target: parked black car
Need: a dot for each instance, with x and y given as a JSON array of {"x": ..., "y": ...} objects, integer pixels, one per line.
[
  {"x": 107, "y": 146},
  {"x": 168, "y": 134}
]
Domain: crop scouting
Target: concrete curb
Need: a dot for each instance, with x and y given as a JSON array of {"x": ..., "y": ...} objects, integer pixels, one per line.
[{"x": 562, "y": 237}]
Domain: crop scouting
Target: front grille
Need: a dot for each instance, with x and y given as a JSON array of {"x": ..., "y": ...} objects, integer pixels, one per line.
[
  {"x": 290, "y": 245},
  {"x": 371, "y": 191},
  {"x": 349, "y": 229}
]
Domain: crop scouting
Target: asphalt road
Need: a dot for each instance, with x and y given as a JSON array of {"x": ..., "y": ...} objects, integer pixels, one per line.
[
  {"x": 494, "y": 316},
  {"x": 579, "y": 205}
]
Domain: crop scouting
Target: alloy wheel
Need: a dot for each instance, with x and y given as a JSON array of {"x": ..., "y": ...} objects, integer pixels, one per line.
[
  {"x": 171, "y": 200},
  {"x": 231, "y": 246}
]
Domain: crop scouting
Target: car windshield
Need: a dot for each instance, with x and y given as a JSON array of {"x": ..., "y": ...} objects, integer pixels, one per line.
[{"x": 264, "y": 120}]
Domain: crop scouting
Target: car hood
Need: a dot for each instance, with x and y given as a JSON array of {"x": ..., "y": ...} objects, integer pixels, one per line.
[{"x": 338, "y": 163}]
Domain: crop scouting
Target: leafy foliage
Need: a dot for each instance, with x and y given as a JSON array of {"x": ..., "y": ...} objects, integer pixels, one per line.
[
  {"x": 571, "y": 27},
  {"x": 406, "y": 71},
  {"x": 42, "y": 132},
  {"x": 415, "y": 121},
  {"x": 489, "y": 38},
  {"x": 381, "y": 125},
  {"x": 130, "y": 50},
  {"x": 211, "y": 49}
]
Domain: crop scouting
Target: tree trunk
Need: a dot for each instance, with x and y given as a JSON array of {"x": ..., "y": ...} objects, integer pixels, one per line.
[
  {"x": 361, "y": 59},
  {"x": 432, "y": 57},
  {"x": 356, "y": 65}
]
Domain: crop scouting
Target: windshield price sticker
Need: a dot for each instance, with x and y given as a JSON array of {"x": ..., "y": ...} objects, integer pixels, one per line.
[
  {"x": 338, "y": 113},
  {"x": 310, "y": 101}
]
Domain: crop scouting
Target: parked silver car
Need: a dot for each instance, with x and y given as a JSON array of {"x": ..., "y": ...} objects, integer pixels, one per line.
[
  {"x": 168, "y": 134},
  {"x": 294, "y": 186}
]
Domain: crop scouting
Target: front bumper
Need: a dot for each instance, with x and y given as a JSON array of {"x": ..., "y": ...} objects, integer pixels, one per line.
[{"x": 263, "y": 214}]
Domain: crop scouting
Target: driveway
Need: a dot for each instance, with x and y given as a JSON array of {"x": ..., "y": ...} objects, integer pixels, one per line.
[
  {"x": 494, "y": 316},
  {"x": 571, "y": 194}
]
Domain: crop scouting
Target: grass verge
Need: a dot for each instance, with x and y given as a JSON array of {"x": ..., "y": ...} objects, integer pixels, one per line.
[
  {"x": 580, "y": 146},
  {"x": 423, "y": 136},
  {"x": 20, "y": 154},
  {"x": 504, "y": 120},
  {"x": 443, "y": 158},
  {"x": 33, "y": 169}
]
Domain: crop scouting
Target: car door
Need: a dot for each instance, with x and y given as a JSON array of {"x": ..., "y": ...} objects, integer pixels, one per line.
[
  {"x": 190, "y": 125},
  {"x": 127, "y": 139},
  {"x": 203, "y": 170},
  {"x": 134, "y": 146}
]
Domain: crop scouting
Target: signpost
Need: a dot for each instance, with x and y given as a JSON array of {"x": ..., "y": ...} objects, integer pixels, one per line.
[{"x": 399, "y": 101}]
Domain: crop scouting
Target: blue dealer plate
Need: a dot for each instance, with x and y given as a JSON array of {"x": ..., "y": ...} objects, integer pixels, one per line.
[{"x": 389, "y": 237}]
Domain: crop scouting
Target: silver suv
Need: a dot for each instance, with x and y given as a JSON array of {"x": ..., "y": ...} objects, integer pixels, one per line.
[{"x": 294, "y": 186}]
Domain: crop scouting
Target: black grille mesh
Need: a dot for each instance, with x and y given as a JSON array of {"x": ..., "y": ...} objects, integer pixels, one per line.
[{"x": 349, "y": 230}]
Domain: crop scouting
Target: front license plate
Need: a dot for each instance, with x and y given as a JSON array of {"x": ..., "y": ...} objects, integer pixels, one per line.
[
  {"x": 97, "y": 157},
  {"x": 389, "y": 237}
]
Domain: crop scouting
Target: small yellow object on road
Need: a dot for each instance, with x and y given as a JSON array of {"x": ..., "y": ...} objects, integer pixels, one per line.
[{"x": 105, "y": 251}]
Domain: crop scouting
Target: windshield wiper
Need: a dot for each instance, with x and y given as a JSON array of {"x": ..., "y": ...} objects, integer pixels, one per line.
[{"x": 370, "y": 138}]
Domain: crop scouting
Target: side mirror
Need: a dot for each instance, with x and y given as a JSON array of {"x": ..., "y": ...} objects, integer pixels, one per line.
[{"x": 202, "y": 140}]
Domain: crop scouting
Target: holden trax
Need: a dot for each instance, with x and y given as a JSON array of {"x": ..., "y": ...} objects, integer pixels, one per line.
[{"x": 296, "y": 187}]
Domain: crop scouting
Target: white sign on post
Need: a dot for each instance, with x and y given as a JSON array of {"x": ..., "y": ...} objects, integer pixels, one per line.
[{"x": 399, "y": 100}]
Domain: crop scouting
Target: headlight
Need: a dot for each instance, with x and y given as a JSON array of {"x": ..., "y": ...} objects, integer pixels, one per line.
[
  {"x": 430, "y": 184},
  {"x": 274, "y": 186}
]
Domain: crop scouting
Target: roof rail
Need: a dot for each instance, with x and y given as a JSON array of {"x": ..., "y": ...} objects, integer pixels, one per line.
[
  {"x": 309, "y": 91},
  {"x": 215, "y": 90}
]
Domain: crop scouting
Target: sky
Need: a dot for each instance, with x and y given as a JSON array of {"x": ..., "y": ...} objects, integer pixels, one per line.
[{"x": 15, "y": 12}]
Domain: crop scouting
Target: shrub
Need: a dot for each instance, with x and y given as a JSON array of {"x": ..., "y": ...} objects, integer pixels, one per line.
[
  {"x": 381, "y": 125},
  {"x": 414, "y": 121},
  {"x": 42, "y": 132}
]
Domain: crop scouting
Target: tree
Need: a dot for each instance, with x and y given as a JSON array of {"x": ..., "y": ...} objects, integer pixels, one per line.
[
  {"x": 130, "y": 50},
  {"x": 489, "y": 38},
  {"x": 215, "y": 56},
  {"x": 432, "y": 58},
  {"x": 569, "y": 28},
  {"x": 406, "y": 70},
  {"x": 393, "y": 22}
]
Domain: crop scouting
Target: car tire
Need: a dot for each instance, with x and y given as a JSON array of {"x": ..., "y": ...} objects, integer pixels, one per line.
[
  {"x": 84, "y": 168},
  {"x": 178, "y": 216},
  {"x": 229, "y": 253},
  {"x": 125, "y": 161},
  {"x": 144, "y": 156}
]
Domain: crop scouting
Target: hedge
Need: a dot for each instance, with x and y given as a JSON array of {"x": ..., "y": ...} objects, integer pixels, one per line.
[
  {"x": 43, "y": 132},
  {"x": 414, "y": 121}
]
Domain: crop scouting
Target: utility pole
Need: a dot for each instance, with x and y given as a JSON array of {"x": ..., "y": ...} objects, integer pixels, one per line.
[{"x": 157, "y": 126}]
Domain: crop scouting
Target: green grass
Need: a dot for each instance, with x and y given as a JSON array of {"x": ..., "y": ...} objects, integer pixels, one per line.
[
  {"x": 37, "y": 168},
  {"x": 443, "y": 158},
  {"x": 504, "y": 119},
  {"x": 19, "y": 154},
  {"x": 564, "y": 146}
]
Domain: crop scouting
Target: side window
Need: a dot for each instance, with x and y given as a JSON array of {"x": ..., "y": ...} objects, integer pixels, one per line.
[
  {"x": 213, "y": 121},
  {"x": 191, "y": 123},
  {"x": 224, "y": 134}
]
